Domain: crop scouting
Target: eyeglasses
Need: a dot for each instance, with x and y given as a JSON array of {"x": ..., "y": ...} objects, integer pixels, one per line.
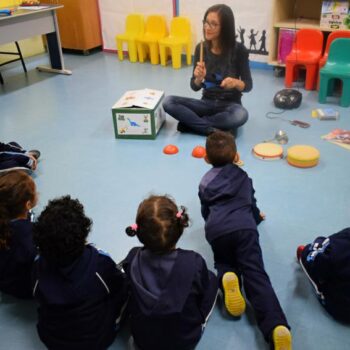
[{"x": 210, "y": 25}]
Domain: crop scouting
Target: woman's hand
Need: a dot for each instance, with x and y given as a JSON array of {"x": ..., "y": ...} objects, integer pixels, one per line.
[
  {"x": 232, "y": 83},
  {"x": 199, "y": 73}
]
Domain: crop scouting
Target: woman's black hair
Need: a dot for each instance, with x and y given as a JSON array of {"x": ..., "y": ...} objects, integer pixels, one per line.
[
  {"x": 16, "y": 189},
  {"x": 160, "y": 224},
  {"x": 61, "y": 231},
  {"x": 227, "y": 38}
]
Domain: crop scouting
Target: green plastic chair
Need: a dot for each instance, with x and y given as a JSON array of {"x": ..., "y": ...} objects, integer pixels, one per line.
[{"x": 337, "y": 67}]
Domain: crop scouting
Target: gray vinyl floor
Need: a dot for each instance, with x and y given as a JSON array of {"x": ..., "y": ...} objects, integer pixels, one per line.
[{"x": 69, "y": 119}]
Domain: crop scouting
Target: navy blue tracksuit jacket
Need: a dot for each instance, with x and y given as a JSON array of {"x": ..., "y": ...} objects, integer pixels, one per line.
[
  {"x": 16, "y": 261},
  {"x": 227, "y": 201},
  {"x": 79, "y": 303},
  {"x": 327, "y": 261},
  {"x": 172, "y": 296}
]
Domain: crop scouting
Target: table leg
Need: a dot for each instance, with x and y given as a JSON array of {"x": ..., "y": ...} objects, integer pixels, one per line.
[{"x": 55, "y": 52}]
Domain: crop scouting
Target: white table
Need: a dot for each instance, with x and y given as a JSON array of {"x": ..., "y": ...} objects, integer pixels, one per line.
[{"x": 24, "y": 24}]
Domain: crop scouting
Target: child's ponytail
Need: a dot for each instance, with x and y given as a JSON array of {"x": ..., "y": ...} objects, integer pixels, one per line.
[
  {"x": 183, "y": 218},
  {"x": 159, "y": 223}
]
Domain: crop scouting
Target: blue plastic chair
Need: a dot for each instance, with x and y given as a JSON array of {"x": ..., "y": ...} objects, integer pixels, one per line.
[{"x": 337, "y": 67}]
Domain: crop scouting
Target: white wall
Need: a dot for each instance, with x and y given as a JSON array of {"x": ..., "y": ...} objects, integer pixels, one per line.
[
  {"x": 114, "y": 12},
  {"x": 249, "y": 14}
]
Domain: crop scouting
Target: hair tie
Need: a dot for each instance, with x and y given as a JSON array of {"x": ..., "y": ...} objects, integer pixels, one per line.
[
  {"x": 131, "y": 230},
  {"x": 179, "y": 214}
]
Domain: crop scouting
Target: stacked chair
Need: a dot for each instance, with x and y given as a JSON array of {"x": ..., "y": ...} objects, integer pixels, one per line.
[
  {"x": 152, "y": 40},
  {"x": 180, "y": 36},
  {"x": 134, "y": 27}
]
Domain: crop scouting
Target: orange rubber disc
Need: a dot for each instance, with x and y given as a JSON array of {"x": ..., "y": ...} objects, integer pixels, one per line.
[
  {"x": 170, "y": 149},
  {"x": 198, "y": 152}
]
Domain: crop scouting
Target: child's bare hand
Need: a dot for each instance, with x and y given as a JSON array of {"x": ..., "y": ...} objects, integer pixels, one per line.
[
  {"x": 34, "y": 161},
  {"x": 262, "y": 215}
]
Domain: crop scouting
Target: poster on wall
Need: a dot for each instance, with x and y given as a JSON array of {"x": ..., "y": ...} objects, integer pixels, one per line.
[
  {"x": 252, "y": 19},
  {"x": 114, "y": 12}
]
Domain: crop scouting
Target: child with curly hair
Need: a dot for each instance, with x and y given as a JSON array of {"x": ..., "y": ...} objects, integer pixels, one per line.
[
  {"x": 172, "y": 291},
  {"x": 81, "y": 291},
  {"x": 17, "y": 251}
]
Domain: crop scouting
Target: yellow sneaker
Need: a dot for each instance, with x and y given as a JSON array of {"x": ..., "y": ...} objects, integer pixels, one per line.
[
  {"x": 282, "y": 339},
  {"x": 234, "y": 301}
]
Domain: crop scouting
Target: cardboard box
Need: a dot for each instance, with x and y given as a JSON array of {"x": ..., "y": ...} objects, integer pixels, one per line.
[
  {"x": 138, "y": 114},
  {"x": 334, "y": 14}
]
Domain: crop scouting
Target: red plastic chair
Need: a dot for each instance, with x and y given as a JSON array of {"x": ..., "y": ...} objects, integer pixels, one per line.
[
  {"x": 306, "y": 51},
  {"x": 333, "y": 35}
]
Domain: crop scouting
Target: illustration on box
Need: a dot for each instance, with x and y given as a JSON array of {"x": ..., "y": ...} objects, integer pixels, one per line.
[
  {"x": 134, "y": 124},
  {"x": 145, "y": 98},
  {"x": 139, "y": 124}
]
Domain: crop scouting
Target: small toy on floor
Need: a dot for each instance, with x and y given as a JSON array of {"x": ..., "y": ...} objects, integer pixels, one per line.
[
  {"x": 325, "y": 114},
  {"x": 198, "y": 152},
  {"x": 303, "y": 156},
  {"x": 170, "y": 149},
  {"x": 268, "y": 151},
  {"x": 281, "y": 137}
]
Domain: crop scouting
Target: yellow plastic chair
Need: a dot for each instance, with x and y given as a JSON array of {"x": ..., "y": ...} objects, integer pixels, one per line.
[
  {"x": 180, "y": 36},
  {"x": 148, "y": 43},
  {"x": 134, "y": 27}
]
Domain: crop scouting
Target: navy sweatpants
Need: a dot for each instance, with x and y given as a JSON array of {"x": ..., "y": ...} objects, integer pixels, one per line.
[
  {"x": 329, "y": 291},
  {"x": 240, "y": 252},
  {"x": 13, "y": 156}
]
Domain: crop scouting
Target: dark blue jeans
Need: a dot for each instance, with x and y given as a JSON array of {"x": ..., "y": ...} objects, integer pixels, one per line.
[
  {"x": 202, "y": 116},
  {"x": 240, "y": 252}
]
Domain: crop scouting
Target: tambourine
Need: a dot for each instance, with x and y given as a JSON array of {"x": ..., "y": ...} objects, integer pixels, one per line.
[
  {"x": 268, "y": 151},
  {"x": 303, "y": 156}
]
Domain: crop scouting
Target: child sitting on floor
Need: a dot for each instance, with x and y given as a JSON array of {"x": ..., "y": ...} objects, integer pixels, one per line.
[
  {"x": 231, "y": 216},
  {"x": 326, "y": 262},
  {"x": 81, "y": 291},
  {"x": 13, "y": 156},
  {"x": 17, "y": 251},
  {"x": 172, "y": 291}
]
